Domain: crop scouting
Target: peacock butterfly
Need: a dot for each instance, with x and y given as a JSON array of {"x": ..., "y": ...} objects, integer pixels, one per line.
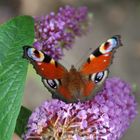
[{"x": 74, "y": 85}]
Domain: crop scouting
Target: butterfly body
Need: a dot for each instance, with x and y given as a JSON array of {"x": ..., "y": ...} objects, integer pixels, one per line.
[{"x": 74, "y": 85}]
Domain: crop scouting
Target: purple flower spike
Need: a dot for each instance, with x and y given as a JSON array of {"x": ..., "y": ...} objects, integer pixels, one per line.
[
  {"x": 57, "y": 31},
  {"x": 106, "y": 117}
]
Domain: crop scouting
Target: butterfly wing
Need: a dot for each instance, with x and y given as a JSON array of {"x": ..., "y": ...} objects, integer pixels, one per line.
[
  {"x": 97, "y": 64},
  {"x": 44, "y": 65},
  {"x": 101, "y": 58},
  {"x": 49, "y": 69}
]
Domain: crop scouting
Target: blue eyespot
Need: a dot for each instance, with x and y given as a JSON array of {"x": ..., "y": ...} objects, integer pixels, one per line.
[
  {"x": 112, "y": 42},
  {"x": 109, "y": 45},
  {"x": 99, "y": 77},
  {"x": 51, "y": 83},
  {"x": 35, "y": 55}
]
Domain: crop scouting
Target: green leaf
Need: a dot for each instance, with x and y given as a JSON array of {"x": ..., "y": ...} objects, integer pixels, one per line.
[
  {"x": 22, "y": 120},
  {"x": 14, "y": 34}
]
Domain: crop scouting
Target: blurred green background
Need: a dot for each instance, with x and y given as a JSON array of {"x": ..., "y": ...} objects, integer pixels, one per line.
[{"x": 110, "y": 18}]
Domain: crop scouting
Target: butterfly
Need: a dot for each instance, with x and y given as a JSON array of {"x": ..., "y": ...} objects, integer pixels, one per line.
[{"x": 74, "y": 85}]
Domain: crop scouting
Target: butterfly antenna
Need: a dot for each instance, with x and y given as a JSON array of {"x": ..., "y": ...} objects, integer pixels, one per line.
[{"x": 83, "y": 57}]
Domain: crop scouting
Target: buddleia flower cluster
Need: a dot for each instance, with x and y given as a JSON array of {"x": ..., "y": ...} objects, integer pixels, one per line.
[
  {"x": 54, "y": 32},
  {"x": 105, "y": 117}
]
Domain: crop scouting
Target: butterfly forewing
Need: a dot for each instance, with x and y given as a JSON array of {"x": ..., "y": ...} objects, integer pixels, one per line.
[{"x": 101, "y": 58}]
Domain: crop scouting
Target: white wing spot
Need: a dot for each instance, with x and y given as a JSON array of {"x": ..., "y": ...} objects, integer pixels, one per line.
[
  {"x": 106, "y": 55},
  {"x": 39, "y": 63}
]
